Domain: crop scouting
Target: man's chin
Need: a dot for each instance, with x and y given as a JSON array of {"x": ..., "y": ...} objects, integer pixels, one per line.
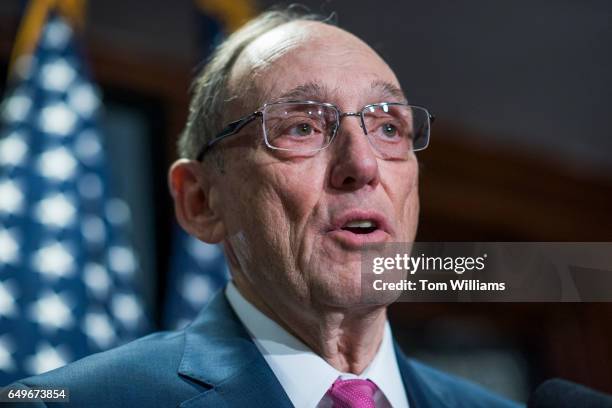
[
  {"x": 347, "y": 292},
  {"x": 337, "y": 279}
]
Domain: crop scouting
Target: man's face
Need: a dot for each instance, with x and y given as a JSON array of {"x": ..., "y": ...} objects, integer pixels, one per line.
[{"x": 292, "y": 220}]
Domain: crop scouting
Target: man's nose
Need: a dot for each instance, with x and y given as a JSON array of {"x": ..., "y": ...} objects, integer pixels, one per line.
[{"x": 354, "y": 162}]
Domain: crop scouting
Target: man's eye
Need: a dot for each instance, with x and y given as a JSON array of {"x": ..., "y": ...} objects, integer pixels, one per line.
[
  {"x": 301, "y": 129},
  {"x": 389, "y": 130}
]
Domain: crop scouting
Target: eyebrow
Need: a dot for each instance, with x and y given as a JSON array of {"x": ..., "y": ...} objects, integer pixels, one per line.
[
  {"x": 316, "y": 91},
  {"x": 309, "y": 90},
  {"x": 388, "y": 90}
]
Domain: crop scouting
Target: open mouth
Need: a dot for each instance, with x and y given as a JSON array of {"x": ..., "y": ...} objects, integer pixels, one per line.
[
  {"x": 360, "y": 226},
  {"x": 355, "y": 228}
]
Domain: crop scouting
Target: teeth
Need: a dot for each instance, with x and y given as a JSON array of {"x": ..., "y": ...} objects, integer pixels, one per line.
[{"x": 360, "y": 224}]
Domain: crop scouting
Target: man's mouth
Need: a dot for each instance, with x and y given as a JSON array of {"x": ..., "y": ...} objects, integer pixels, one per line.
[
  {"x": 360, "y": 226},
  {"x": 355, "y": 228}
]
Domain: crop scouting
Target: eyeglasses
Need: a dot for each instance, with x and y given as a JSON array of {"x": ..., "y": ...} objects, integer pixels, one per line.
[{"x": 305, "y": 127}]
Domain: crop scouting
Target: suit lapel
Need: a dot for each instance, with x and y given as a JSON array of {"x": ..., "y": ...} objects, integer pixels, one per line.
[
  {"x": 220, "y": 354},
  {"x": 255, "y": 387},
  {"x": 420, "y": 394}
]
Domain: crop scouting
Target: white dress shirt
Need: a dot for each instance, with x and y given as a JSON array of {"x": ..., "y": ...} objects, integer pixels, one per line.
[{"x": 304, "y": 375}]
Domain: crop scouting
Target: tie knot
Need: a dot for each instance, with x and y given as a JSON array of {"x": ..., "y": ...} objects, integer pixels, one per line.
[{"x": 354, "y": 393}]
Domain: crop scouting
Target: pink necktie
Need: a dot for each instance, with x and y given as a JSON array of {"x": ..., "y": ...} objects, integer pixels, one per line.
[{"x": 352, "y": 393}]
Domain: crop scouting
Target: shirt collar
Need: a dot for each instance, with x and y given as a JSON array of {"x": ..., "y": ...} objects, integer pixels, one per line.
[{"x": 304, "y": 375}]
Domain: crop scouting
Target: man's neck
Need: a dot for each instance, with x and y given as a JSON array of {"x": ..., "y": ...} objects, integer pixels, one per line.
[{"x": 347, "y": 339}]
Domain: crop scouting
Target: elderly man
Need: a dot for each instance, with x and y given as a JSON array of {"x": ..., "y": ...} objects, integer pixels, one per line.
[{"x": 299, "y": 149}]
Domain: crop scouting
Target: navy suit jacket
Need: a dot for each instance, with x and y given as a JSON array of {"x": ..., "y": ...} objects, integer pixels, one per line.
[{"x": 215, "y": 363}]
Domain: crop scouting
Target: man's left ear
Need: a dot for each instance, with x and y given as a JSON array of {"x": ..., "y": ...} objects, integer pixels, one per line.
[{"x": 192, "y": 190}]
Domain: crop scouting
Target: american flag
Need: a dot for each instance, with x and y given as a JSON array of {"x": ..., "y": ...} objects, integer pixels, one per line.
[
  {"x": 68, "y": 274},
  {"x": 197, "y": 271}
]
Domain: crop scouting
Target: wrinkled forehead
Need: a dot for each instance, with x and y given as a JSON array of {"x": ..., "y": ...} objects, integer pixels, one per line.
[{"x": 312, "y": 60}]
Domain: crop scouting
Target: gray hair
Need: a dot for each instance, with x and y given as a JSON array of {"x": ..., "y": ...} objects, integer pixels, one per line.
[{"x": 210, "y": 88}]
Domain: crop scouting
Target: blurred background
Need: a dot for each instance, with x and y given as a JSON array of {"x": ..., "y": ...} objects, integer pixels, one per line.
[{"x": 90, "y": 255}]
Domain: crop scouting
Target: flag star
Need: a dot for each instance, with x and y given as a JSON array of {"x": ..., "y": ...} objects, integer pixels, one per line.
[
  {"x": 52, "y": 312},
  {"x": 93, "y": 229},
  {"x": 57, "y": 75},
  {"x": 16, "y": 107},
  {"x": 8, "y": 293},
  {"x": 56, "y": 34},
  {"x": 196, "y": 289},
  {"x": 47, "y": 358},
  {"x": 126, "y": 309},
  {"x": 7, "y": 348},
  {"x": 117, "y": 211},
  {"x": 90, "y": 186},
  {"x": 55, "y": 211},
  {"x": 83, "y": 99},
  {"x": 99, "y": 329},
  {"x": 12, "y": 150},
  {"x": 11, "y": 197},
  {"x": 96, "y": 279},
  {"x": 88, "y": 147},
  {"x": 122, "y": 260},
  {"x": 58, "y": 119},
  {"x": 202, "y": 251},
  {"x": 58, "y": 164},
  {"x": 9, "y": 249},
  {"x": 54, "y": 260}
]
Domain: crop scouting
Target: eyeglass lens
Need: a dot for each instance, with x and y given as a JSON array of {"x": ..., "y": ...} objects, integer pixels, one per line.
[{"x": 394, "y": 130}]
